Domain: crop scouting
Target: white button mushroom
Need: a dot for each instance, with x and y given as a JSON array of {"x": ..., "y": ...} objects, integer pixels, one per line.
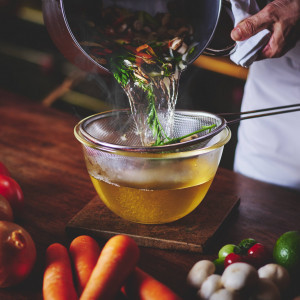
[
  {"x": 210, "y": 285},
  {"x": 239, "y": 276},
  {"x": 266, "y": 290},
  {"x": 199, "y": 272},
  {"x": 224, "y": 294},
  {"x": 278, "y": 274}
]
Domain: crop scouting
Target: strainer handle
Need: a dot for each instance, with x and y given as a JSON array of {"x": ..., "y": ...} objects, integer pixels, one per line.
[
  {"x": 256, "y": 113},
  {"x": 262, "y": 115},
  {"x": 258, "y": 110}
]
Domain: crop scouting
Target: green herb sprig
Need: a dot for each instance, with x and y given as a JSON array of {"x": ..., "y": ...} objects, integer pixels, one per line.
[
  {"x": 121, "y": 72},
  {"x": 157, "y": 130},
  {"x": 177, "y": 140}
]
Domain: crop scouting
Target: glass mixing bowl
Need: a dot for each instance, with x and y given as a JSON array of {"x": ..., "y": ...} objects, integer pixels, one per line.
[{"x": 143, "y": 186}]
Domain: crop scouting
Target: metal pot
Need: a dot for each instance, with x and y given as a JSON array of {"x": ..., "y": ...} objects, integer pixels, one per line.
[{"x": 211, "y": 20}]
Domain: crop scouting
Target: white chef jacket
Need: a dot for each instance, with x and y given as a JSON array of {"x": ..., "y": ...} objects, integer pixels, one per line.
[{"x": 268, "y": 148}]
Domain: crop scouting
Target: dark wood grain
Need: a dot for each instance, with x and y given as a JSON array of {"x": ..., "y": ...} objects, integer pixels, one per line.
[
  {"x": 191, "y": 233},
  {"x": 38, "y": 147}
]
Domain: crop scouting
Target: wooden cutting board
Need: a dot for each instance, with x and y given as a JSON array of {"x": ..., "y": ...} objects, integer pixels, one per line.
[{"x": 190, "y": 233}]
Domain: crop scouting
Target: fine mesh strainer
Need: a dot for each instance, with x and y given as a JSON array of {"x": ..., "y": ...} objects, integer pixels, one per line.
[{"x": 117, "y": 129}]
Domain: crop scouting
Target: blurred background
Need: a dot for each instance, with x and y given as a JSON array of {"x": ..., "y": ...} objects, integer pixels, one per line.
[{"x": 31, "y": 66}]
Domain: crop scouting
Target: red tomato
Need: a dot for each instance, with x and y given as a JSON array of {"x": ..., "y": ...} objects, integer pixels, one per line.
[
  {"x": 258, "y": 255},
  {"x": 3, "y": 170},
  {"x": 232, "y": 258},
  {"x": 11, "y": 190}
]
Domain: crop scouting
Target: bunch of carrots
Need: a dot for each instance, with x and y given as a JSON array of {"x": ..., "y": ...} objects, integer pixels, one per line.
[{"x": 104, "y": 274}]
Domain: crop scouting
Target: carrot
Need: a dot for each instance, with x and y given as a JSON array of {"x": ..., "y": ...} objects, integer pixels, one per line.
[
  {"x": 58, "y": 281},
  {"x": 146, "y": 48},
  {"x": 84, "y": 251},
  {"x": 142, "y": 286},
  {"x": 117, "y": 260}
]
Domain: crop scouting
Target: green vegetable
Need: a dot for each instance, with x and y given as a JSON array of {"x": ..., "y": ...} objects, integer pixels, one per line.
[
  {"x": 157, "y": 130},
  {"x": 121, "y": 72},
  {"x": 177, "y": 140},
  {"x": 246, "y": 244},
  {"x": 219, "y": 263},
  {"x": 227, "y": 249}
]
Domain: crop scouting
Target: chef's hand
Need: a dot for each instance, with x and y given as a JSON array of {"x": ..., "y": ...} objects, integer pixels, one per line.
[{"x": 282, "y": 18}]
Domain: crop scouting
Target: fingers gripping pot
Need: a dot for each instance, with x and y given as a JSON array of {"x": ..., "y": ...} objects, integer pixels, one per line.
[
  {"x": 74, "y": 26},
  {"x": 149, "y": 185}
]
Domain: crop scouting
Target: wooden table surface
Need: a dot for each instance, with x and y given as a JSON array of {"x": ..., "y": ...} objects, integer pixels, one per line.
[{"x": 38, "y": 147}]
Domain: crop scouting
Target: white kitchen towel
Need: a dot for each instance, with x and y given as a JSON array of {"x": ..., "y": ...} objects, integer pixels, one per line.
[{"x": 246, "y": 51}]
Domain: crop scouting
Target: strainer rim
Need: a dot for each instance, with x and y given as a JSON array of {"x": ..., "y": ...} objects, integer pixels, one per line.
[{"x": 88, "y": 140}]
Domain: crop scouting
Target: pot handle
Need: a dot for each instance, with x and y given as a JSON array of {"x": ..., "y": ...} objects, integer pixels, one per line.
[{"x": 221, "y": 43}]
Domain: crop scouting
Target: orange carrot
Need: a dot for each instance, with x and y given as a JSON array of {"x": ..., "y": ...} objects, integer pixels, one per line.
[
  {"x": 147, "y": 48},
  {"x": 84, "y": 251},
  {"x": 117, "y": 260},
  {"x": 58, "y": 281},
  {"x": 142, "y": 286}
]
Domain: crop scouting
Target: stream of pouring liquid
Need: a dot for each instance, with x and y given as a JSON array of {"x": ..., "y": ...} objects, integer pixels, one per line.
[{"x": 166, "y": 92}]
